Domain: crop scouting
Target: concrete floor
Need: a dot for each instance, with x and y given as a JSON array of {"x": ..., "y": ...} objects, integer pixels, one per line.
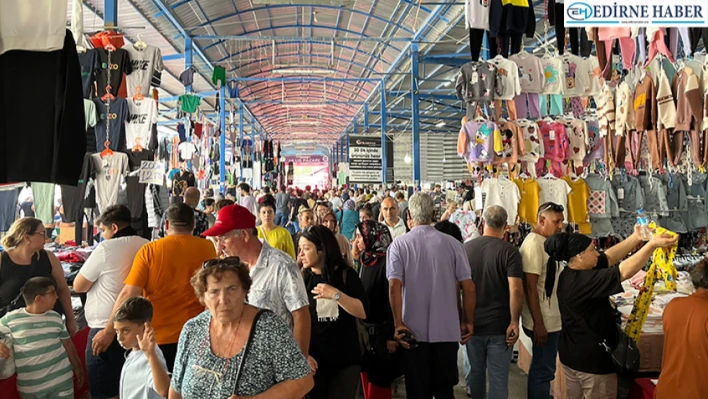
[{"x": 517, "y": 383}]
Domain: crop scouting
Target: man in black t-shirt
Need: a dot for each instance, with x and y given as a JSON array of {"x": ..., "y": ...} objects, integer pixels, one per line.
[{"x": 497, "y": 273}]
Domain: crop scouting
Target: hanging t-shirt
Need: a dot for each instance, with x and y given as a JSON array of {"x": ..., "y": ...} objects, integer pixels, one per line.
[
  {"x": 555, "y": 141},
  {"x": 110, "y": 125},
  {"x": 509, "y": 76},
  {"x": 533, "y": 146},
  {"x": 553, "y": 75},
  {"x": 595, "y": 145},
  {"x": 592, "y": 67},
  {"x": 477, "y": 14},
  {"x": 119, "y": 65},
  {"x": 480, "y": 141},
  {"x": 554, "y": 190},
  {"x": 144, "y": 61},
  {"x": 575, "y": 130},
  {"x": 90, "y": 67},
  {"x": 577, "y": 79},
  {"x": 90, "y": 113},
  {"x": 502, "y": 192},
  {"x": 109, "y": 173},
  {"x": 187, "y": 151},
  {"x": 528, "y": 205},
  {"x": 530, "y": 72},
  {"x": 143, "y": 114},
  {"x": 37, "y": 25},
  {"x": 43, "y": 195},
  {"x": 189, "y": 103},
  {"x": 187, "y": 77},
  {"x": 478, "y": 81},
  {"x": 512, "y": 143},
  {"x": 578, "y": 204}
]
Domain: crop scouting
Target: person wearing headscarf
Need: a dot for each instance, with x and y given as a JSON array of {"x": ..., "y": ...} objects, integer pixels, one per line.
[
  {"x": 371, "y": 240},
  {"x": 329, "y": 220},
  {"x": 349, "y": 219},
  {"x": 589, "y": 323}
]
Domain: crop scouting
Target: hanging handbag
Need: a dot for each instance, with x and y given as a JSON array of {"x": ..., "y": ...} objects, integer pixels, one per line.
[
  {"x": 625, "y": 355},
  {"x": 246, "y": 350}
]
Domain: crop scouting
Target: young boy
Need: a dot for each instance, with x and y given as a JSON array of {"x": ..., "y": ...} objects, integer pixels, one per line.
[
  {"x": 44, "y": 353},
  {"x": 144, "y": 374}
]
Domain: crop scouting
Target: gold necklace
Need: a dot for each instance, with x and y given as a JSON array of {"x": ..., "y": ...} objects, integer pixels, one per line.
[{"x": 230, "y": 344}]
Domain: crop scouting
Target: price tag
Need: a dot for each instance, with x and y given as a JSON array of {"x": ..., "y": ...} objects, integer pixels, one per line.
[
  {"x": 620, "y": 193},
  {"x": 552, "y": 135},
  {"x": 152, "y": 172},
  {"x": 475, "y": 78}
]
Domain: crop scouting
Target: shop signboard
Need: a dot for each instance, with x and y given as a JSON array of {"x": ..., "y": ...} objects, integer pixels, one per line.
[
  {"x": 365, "y": 160},
  {"x": 152, "y": 172},
  {"x": 309, "y": 170}
]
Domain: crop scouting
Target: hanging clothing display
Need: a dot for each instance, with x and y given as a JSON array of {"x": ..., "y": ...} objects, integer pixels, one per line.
[
  {"x": 138, "y": 125},
  {"x": 114, "y": 63},
  {"x": 43, "y": 195},
  {"x": 110, "y": 171},
  {"x": 33, "y": 25},
  {"x": 57, "y": 145},
  {"x": 8, "y": 207},
  {"x": 112, "y": 115},
  {"x": 90, "y": 64},
  {"x": 144, "y": 61}
]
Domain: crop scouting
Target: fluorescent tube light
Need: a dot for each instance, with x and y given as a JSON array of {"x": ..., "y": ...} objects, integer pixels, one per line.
[{"x": 286, "y": 71}]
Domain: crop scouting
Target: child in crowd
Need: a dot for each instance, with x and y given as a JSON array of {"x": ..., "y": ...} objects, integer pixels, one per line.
[
  {"x": 144, "y": 374},
  {"x": 44, "y": 353}
]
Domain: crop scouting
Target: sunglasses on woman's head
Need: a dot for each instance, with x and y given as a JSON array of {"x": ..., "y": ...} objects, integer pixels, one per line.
[{"x": 230, "y": 260}]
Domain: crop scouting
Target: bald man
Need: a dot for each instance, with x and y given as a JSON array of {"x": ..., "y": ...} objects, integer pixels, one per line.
[
  {"x": 391, "y": 216},
  {"x": 201, "y": 220}
]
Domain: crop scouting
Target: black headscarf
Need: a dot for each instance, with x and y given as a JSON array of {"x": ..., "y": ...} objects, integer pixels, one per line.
[
  {"x": 562, "y": 247},
  {"x": 377, "y": 238}
]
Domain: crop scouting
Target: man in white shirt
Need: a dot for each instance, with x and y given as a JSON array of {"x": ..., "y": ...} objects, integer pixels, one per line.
[
  {"x": 390, "y": 216},
  {"x": 101, "y": 278},
  {"x": 540, "y": 316},
  {"x": 247, "y": 201},
  {"x": 336, "y": 201}
]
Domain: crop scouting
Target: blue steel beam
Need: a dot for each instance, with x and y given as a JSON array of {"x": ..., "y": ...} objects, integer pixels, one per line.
[
  {"x": 384, "y": 127},
  {"x": 318, "y": 56},
  {"x": 276, "y": 6},
  {"x": 110, "y": 13},
  {"x": 415, "y": 110},
  {"x": 222, "y": 139}
]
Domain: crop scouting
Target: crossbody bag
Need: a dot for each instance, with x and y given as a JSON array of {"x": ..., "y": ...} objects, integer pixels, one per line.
[{"x": 247, "y": 349}]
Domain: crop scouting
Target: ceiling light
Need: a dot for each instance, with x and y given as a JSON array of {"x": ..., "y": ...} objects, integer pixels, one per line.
[
  {"x": 314, "y": 16},
  {"x": 440, "y": 124},
  {"x": 285, "y": 71},
  {"x": 338, "y": 3},
  {"x": 448, "y": 83},
  {"x": 304, "y": 122},
  {"x": 407, "y": 159}
]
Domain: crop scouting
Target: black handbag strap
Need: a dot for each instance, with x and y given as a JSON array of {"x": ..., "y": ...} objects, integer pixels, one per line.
[{"x": 246, "y": 349}]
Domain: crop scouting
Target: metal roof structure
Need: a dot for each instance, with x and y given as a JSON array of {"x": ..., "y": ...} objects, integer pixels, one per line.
[{"x": 310, "y": 72}]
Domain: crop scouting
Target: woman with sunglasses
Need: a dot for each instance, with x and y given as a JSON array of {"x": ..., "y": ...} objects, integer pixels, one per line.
[
  {"x": 25, "y": 257},
  {"x": 329, "y": 220},
  {"x": 337, "y": 299},
  {"x": 379, "y": 368},
  {"x": 233, "y": 348},
  {"x": 589, "y": 322}
]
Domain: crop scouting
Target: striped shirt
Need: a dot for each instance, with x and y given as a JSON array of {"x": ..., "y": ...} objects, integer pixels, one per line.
[{"x": 42, "y": 362}]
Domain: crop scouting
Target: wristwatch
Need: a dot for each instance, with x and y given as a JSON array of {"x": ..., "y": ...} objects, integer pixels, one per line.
[{"x": 337, "y": 296}]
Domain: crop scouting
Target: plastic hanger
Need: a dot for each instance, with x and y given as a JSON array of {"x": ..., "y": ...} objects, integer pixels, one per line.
[
  {"x": 140, "y": 44},
  {"x": 137, "y": 147},
  {"x": 107, "y": 151},
  {"x": 109, "y": 47},
  {"x": 108, "y": 96},
  {"x": 138, "y": 93}
]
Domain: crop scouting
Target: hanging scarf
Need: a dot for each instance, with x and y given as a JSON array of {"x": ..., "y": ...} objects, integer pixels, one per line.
[
  {"x": 349, "y": 205},
  {"x": 562, "y": 247},
  {"x": 662, "y": 268},
  {"x": 377, "y": 238}
]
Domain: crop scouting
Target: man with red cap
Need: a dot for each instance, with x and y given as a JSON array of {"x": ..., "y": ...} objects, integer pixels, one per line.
[{"x": 277, "y": 283}]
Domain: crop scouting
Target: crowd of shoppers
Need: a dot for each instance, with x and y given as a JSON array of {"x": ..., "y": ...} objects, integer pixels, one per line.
[{"x": 321, "y": 295}]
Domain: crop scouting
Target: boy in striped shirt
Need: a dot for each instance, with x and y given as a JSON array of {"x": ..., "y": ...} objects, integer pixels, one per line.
[{"x": 44, "y": 354}]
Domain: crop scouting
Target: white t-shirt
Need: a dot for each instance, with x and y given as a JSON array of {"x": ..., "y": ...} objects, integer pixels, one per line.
[
  {"x": 143, "y": 114},
  {"x": 144, "y": 62},
  {"x": 592, "y": 66},
  {"x": 505, "y": 193},
  {"x": 107, "y": 268},
  {"x": 554, "y": 190},
  {"x": 32, "y": 25},
  {"x": 534, "y": 259},
  {"x": 90, "y": 113},
  {"x": 109, "y": 173},
  {"x": 187, "y": 150},
  {"x": 576, "y": 76},
  {"x": 136, "y": 380},
  {"x": 553, "y": 72},
  {"x": 509, "y": 72},
  {"x": 336, "y": 203},
  {"x": 477, "y": 14}
]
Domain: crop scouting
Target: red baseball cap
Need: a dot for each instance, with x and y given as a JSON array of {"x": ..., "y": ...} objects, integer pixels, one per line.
[{"x": 232, "y": 217}]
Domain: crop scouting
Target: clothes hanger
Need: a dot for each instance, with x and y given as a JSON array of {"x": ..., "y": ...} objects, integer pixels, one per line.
[
  {"x": 137, "y": 147},
  {"x": 138, "y": 93},
  {"x": 140, "y": 44},
  {"x": 108, "y": 96},
  {"x": 107, "y": 151}
]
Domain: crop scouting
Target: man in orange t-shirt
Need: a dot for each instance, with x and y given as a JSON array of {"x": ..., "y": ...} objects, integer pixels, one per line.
[{"x": 161, "y": 272}]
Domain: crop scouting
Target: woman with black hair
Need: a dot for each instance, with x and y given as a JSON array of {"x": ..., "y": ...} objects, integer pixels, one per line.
[
  {"x": 276, "y": 236},
  {"x": 379, "y": 368},
  {"x": 334, "y": 341},
  {"x": 589, "y": 321},
  {"x": 468, "y": 200}
]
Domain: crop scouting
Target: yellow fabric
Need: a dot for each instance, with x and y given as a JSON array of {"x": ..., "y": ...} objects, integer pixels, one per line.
[
  {"x": 278, "y": 238},
  {"x": 516, "y": 3},
  {"x": 578, "y": 204},
  {"x": 662, "y": 268},
  {"x": 528, "y": 206},
  {"x": 498, "y": 141}
]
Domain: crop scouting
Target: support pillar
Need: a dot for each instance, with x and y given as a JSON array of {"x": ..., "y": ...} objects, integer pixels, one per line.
[
  {"x": 240, "y": 136},
  {"x": 415, "y": 114},
  {"x": 222, "y": 139},
  {"x": 188, "y": 64},
  {"x": 384, "y": 160},
  {"x": 110, "y": 13}
]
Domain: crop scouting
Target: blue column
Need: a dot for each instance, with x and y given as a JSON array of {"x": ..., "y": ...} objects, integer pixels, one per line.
[
  {"x": 253, "y": 150},
  {"x": 222, "y": 139},
  {"x": 110, "y": 12},
  {"x": 384, "y": 160},
  {"x": 346, "y": 152},
  {"x": 356, "y": 126},
  {"x": 486, "y": 43},
  {"x": 187, "y": 65},
  {"x": 240, "y": 135},
  {"x": 366, "y": 118},
  {"x": 415, "y": 117}
]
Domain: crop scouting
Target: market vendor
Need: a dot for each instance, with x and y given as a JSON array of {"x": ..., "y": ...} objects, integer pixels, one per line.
[{"x": 589, "y": 321}]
